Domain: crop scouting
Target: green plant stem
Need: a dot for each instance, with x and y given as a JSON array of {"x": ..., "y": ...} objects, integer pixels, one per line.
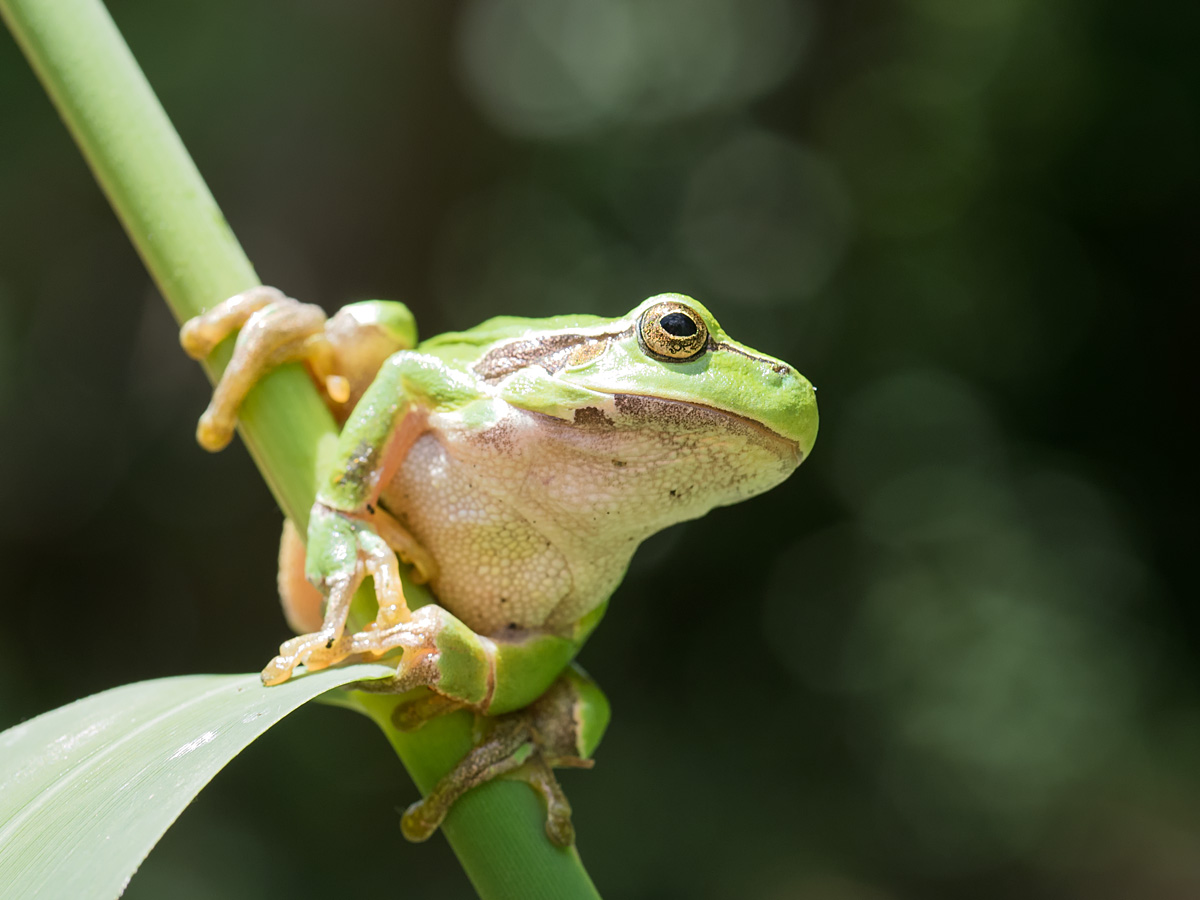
[{"x": 194, "y": 258}]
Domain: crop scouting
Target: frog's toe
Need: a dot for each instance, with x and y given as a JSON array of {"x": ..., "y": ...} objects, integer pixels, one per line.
[
  {"x": 280, "y": 669},
  {"x": 559, "y": 828},
  {"x": 273, "y": 329},
  {"x": 539, "y": 776},
  {"x": 277, "y": 671},
  {"x": 215, "y": 429},
  {"x": 200, "y": 334},
  {"x": 417, "y": 634},
  {"x": 417, "y": 824},
  {"x": 318, "y": 650}
]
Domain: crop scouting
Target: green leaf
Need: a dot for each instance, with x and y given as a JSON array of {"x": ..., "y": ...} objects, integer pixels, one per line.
[{"x": 88, "y": 789}]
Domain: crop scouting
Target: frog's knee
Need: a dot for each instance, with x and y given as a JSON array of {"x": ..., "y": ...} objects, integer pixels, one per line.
[{"x": 466, "y": 662}]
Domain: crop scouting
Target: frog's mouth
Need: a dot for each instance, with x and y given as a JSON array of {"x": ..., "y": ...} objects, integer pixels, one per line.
[{"x": 682, "y": 416}]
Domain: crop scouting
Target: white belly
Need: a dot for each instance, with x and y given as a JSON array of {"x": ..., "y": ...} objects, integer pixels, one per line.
[{"x": 496, "y": 570}]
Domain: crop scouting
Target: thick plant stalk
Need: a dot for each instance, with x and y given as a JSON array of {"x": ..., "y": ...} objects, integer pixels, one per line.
[{"x": 195, "y": 260}]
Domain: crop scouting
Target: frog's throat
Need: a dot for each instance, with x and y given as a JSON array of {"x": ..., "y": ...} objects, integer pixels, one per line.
[{"x": 786, "y": 446}]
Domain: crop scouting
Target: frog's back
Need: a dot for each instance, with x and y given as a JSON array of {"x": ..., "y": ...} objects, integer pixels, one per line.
[{"x": 467, "y": 346}]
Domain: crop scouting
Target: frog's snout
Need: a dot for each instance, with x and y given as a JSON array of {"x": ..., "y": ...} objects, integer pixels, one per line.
[{"x": 789, "y": 406}]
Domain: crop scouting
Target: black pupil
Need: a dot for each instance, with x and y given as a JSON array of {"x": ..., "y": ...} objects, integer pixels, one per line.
[{"x": 677, "y": 324}]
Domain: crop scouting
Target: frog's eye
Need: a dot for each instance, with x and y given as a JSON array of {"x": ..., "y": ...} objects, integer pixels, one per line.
[{"x": 672, "y": 331}]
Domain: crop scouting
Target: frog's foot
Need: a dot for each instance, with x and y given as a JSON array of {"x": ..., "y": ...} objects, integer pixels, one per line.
[
  {"x": 422, "y": 818},
  {"x": 200, "y": 334},
  {"x": 513, "y": 757},
  {"x": 418, "y": 635},
  {"x": 275, "y": 329},
  {"x": 318, "y": 650},
  {"x": 525, "y": 745},
  {"x": 330, "y": 646},
  {"x": 504, "y": 750},
  {"x": 358, "y": 552}
]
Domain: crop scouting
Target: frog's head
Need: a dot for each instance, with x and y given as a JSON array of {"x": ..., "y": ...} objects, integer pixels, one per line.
[
  {"x": 671, "y": 348},
  {"x": 667, "y": 379}
]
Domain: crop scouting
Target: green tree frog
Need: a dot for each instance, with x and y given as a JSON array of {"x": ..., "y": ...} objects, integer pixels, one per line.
[{"x": 516, "y": 467}]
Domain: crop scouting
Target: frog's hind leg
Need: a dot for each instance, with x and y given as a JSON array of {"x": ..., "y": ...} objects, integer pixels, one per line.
[
  {"x": 526, "y": 745},
  {"x": 513, "y": 754},
  {"x": 275, "y": 329},
  {"x": 505, "y": 749}
]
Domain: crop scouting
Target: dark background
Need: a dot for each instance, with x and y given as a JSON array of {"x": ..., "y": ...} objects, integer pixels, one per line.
[{"x": 955, "y": 655}]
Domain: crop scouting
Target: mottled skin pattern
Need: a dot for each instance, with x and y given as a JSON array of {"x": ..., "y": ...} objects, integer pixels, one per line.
[{"x": 517, "y": 466}]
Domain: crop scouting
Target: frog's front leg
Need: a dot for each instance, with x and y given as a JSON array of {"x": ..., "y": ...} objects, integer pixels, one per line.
[
  {"x": 275, "y": 329},
  {"x": 349, "y": 550},
  {"x": 342, "y": 354},
  {"x": 348, "y": 534}
]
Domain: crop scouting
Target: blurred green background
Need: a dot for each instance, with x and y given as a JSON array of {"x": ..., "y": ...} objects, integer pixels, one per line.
[{"x": 955, "y": 655}]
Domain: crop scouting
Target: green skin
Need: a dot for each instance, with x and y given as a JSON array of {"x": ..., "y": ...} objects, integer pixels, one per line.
[{"x": 623, "y": 425}]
